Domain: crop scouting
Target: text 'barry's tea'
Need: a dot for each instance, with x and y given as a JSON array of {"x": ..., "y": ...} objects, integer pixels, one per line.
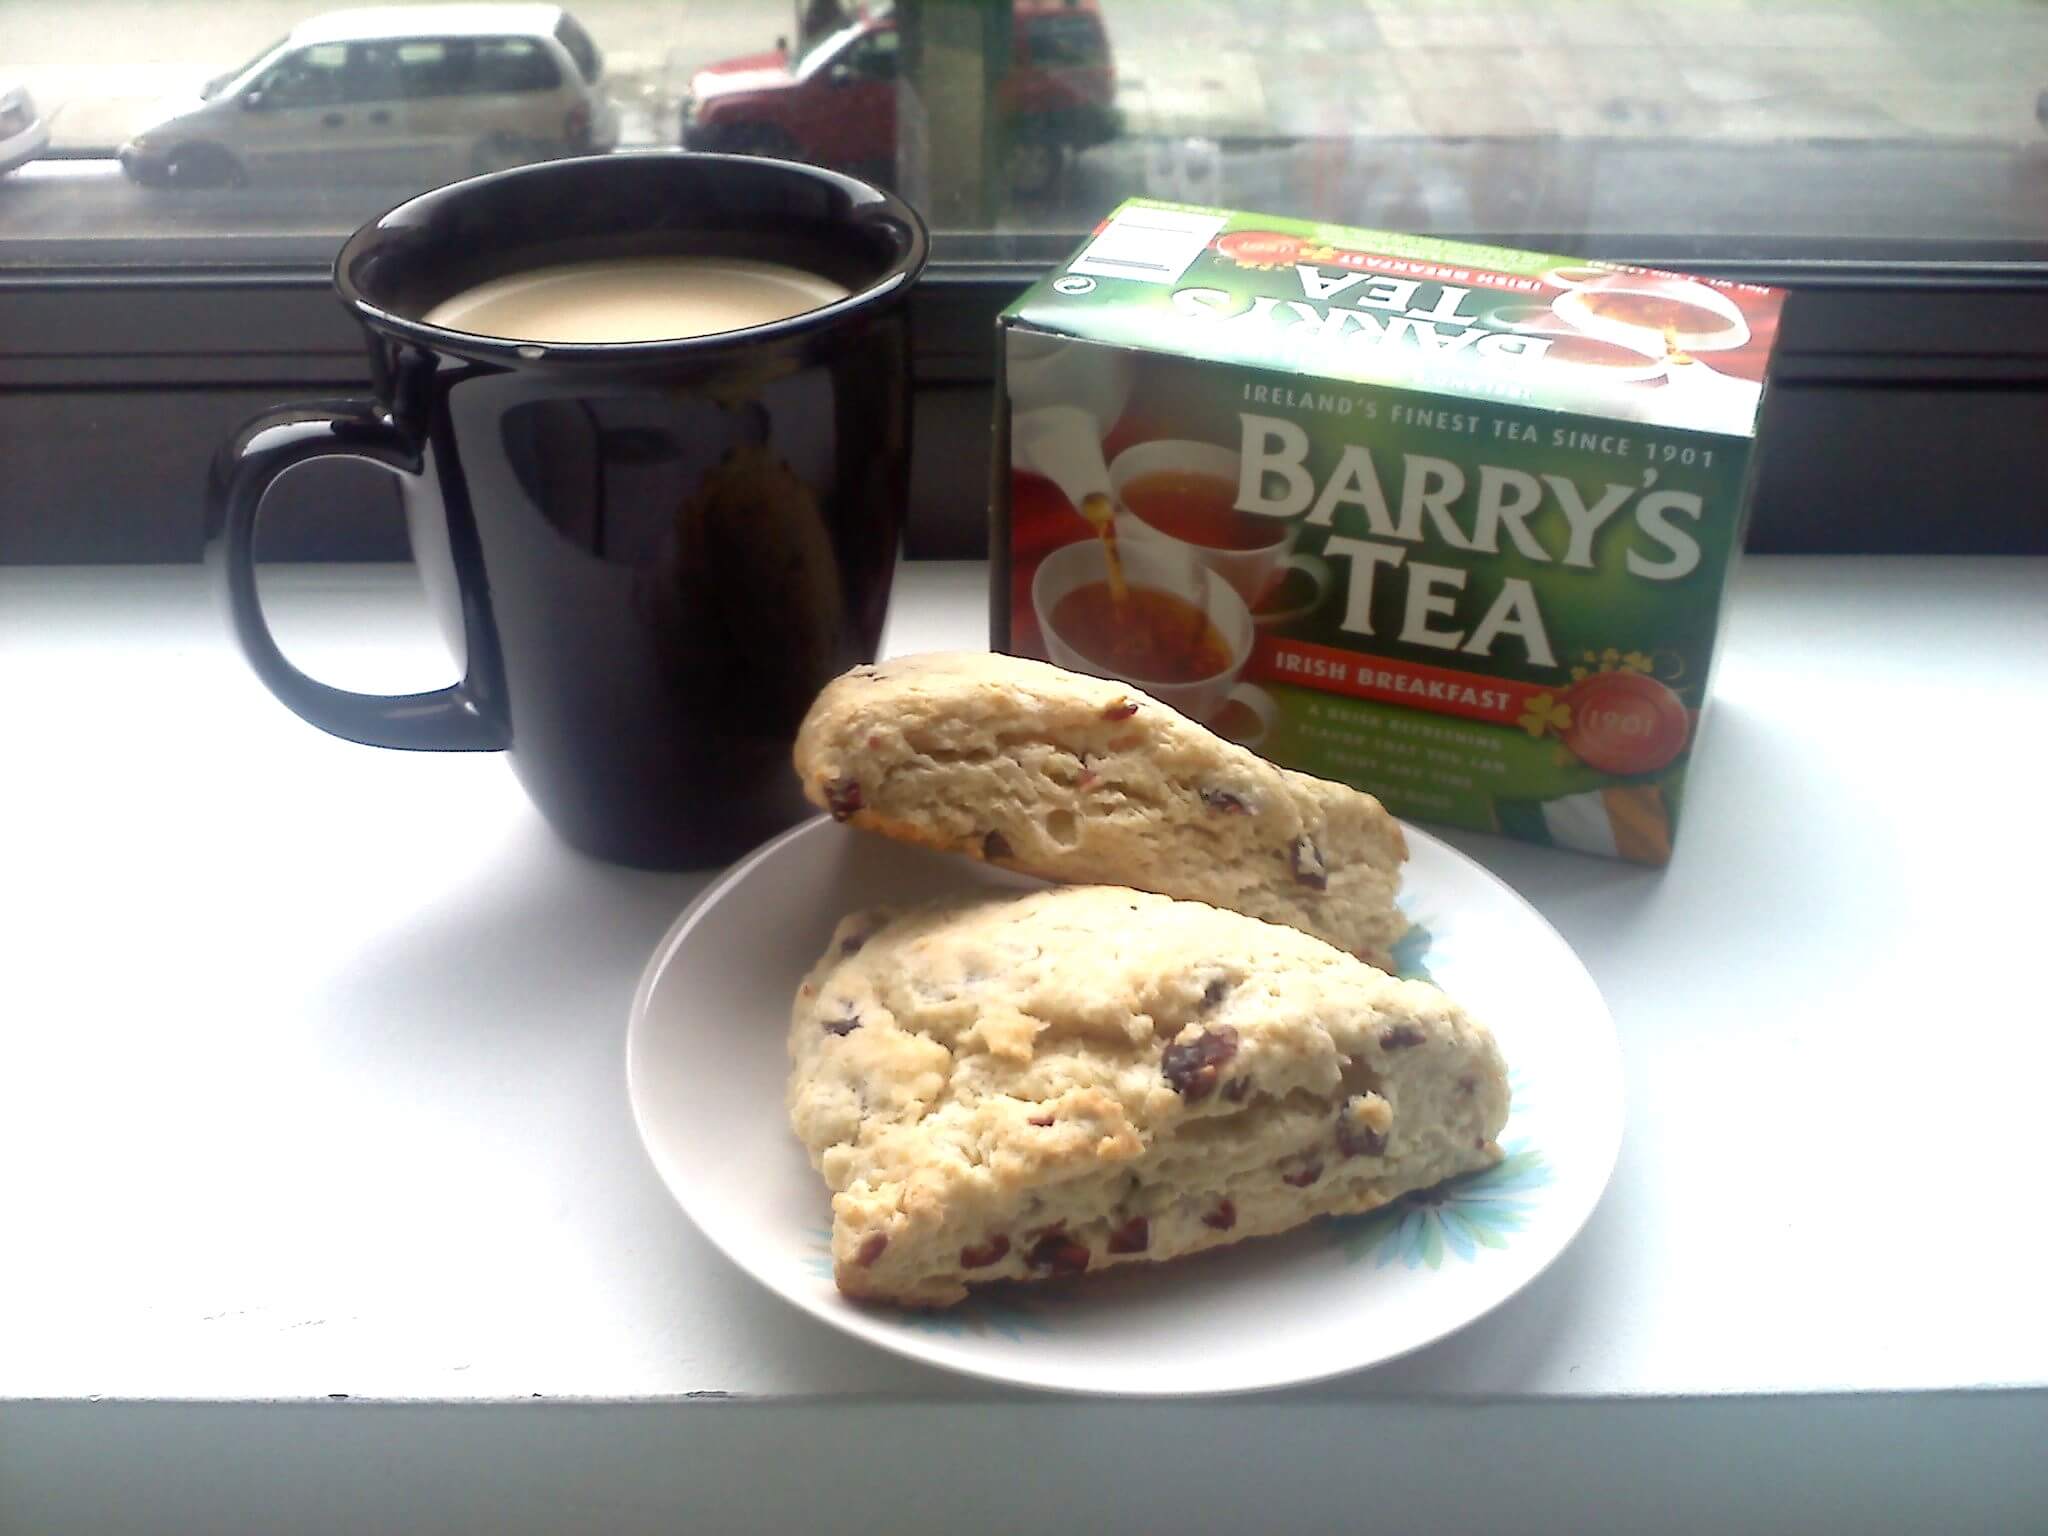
[{"x": 1449, "y": 522}]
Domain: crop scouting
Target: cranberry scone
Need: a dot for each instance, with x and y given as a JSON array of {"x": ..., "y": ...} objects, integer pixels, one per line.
[
  {"x": 1009, "y": 1087},
  {"x": 1076, "y": 779}
]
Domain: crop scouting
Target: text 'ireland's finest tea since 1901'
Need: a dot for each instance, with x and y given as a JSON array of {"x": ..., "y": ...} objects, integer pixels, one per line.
[{"x": 1449, "y": 522}]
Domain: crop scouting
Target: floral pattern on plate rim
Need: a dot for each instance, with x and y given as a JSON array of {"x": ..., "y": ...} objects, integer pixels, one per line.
[
  {"x": 1411, "y": 951},
  {"x": 1461, "y": 1216}
]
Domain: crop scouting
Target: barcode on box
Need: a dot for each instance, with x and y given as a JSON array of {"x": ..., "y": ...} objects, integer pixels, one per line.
[{"x": 1147, "y": 245}]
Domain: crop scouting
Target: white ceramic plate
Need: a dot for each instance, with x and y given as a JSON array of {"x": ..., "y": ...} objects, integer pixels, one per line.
[{"x": 706, "y": 1064}]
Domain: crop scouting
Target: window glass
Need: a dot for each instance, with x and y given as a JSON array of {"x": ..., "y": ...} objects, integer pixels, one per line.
[
  {"x": 1744, "y": 129},
  {"x": 816, "y": 48},
  {"x": 374, "y": 73},
  {"x": 873, "y": 56},
  {"x": 309, "y": 77},
  {"x": 220, "y": 82},
  {"x": 506, "y": 64},
  {"x": 430, "y": 67}
]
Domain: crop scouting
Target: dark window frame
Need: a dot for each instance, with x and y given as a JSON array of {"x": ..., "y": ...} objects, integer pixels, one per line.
[{"x": 1902, "y": 416}]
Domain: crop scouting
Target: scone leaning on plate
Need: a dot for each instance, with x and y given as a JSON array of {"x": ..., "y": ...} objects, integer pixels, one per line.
[
  {"x": 1076, "y": 779},
  {"x": 1007, "y": 1087}
]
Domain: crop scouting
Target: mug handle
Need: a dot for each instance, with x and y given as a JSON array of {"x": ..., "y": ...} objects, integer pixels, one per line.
[{"x": 468, "y": 716}]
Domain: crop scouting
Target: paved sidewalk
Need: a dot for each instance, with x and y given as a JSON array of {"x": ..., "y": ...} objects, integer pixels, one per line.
[{"x": 1746, "y": 70}]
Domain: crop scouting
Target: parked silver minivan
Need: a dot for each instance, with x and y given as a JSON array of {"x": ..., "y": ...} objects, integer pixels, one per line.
[{"x": 412, "y": 94}]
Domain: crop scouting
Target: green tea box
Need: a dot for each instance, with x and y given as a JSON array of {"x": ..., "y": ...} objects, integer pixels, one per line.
[{"x": 1449, "y": 522}]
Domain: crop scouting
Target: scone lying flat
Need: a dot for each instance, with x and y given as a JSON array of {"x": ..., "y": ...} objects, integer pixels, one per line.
[
  {"x": 1014, "y": 1087},
  {"x": 1076, "y": 779}
]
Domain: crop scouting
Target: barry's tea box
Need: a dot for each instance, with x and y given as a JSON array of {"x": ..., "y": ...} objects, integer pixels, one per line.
[{"x": 1448, "y": 522}]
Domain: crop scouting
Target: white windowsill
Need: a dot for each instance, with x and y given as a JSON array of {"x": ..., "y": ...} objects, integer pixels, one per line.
[{"x": 311, "y": 1054}]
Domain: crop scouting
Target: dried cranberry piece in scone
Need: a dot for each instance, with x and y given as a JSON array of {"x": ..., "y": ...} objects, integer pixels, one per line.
[{"x": 1193, "y": 1065}]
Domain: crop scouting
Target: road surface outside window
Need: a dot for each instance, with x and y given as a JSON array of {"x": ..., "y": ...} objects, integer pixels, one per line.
[{"x": 1860, "y": 124}]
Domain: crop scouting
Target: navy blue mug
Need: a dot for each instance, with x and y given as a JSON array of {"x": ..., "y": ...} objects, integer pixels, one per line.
[{"x": 650, "y": 555}]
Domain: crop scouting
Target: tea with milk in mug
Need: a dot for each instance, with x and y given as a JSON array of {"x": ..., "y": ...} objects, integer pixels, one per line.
[
  {"x": 660, "y": 298},
  {"x": 1449, "y": 522}
]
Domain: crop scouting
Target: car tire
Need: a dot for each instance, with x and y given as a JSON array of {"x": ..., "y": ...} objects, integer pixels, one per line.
[
  {"x": 1035, "y": 166},
  {"x": 202, "y": 165}
]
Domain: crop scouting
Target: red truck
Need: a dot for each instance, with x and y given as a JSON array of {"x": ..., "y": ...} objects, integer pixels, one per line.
[{"x": 833, "y": 102}]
